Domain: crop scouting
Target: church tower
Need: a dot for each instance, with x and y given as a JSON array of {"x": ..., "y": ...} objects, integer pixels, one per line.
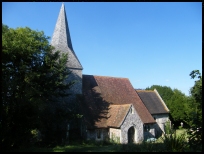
[{"x": 61, "y": 40}]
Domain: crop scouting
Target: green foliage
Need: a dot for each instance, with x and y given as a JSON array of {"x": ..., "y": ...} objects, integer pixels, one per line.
[
  {"x": 195, "y": 131},
  {"x": 195, "y": 138},
  {"x": 104, "y": 146},
  {"x": 174, "y": 143},
  {"x": 180, "y": 127},
  {"x": 186, "y": 109},
  {"x": 115, "y": 139},
  {"x": 176, "y": 101},
  {"x": 165, "y": 92},
  {"x": 196, "y": 90},
  {"x": 33, "y": 87},
  {"x": 178, "y": 105},
  {"x": 168, "y": 127}
]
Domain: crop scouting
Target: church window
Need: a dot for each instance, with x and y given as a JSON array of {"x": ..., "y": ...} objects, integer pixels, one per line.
[{"x": 98, "y": 133}]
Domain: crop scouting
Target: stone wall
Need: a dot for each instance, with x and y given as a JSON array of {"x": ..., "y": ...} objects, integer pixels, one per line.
[
  {"x": 132, "y": 119},
  {"x": 161, "y": 120},
  {"x": 115, "y": 135},
  {"x": 149, "y": 131},
  {"x": 76, "y": 75},
  {"x": 93, "y": 134}
]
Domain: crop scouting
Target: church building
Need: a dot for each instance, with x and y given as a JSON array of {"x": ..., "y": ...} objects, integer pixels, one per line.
[{"x": 113, "y": 109}]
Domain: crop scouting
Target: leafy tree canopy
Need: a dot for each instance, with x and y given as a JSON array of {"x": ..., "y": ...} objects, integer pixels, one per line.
[
  {"x": 33, "y": 83},
  {"x": 195, "y": 131},
  {"x": 175, "y": 100},
  {"x": 196, "y": 90},
  {"x": 165, "y": 92}
]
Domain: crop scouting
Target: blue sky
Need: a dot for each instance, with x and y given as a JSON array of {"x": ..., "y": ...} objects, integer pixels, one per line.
[{"x": 150, "y": 43}]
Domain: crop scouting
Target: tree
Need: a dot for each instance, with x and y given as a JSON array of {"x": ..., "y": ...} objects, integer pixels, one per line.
[
  {"x": 195, "y": 131},
  {"x": 165, "y": 92},
  {"x": 196, "y": 93},
  {"x": 196, "y": 90},
  {"x": 179, "y": 107},
  {"x": 176, "y": 101},
  {"x": 33, "y": 86}
]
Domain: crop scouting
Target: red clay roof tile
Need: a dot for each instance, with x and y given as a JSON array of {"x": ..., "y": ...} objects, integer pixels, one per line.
[
  {"x": 117, "y": 114},
  {"x": 100, "y": 92}
]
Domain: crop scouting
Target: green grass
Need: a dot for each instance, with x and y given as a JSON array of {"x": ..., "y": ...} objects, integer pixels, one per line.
[
  {"x": 175, "y": 142},
  {"x": 158, "y": 146},
  {"x": 180, "y": 131},
  {"x": 73, "y": 148}
]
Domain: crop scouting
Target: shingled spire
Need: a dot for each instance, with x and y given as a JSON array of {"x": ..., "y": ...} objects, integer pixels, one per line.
[{"x": 61, "y": 40}]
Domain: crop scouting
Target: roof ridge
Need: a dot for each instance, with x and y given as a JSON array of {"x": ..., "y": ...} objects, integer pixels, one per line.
[
  {"x": 145, "y": 90},
  {"x": 105, "y": 76},
  {"x": 164, "y": 104},
  {"x": 111, "y": 77},
  {"x": 120, "y": 104}
]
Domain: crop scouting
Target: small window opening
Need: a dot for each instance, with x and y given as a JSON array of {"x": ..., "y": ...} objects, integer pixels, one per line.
[{"x": 98, "y": 133}]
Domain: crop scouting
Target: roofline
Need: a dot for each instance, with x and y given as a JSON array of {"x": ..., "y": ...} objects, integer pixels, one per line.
[
  {"x": 106, "y": 76},
  {"x": 75, "y": 68},
  {"x": 126, "y": 115},
  {"x": 144, "y": 90},
  {"x": 160, "y": 113},
  {"x": 113, "y": 127},
  {"x": 149, "y": 123},
  {"x": 144, "y": 105},
  {"x": 95, "y": 127},
  {"x": 161, "y": 100}
]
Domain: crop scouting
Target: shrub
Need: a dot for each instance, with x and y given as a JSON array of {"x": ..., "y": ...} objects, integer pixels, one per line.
[
  {"x": 175, "y": 143},
  {"x": 115, "y": 139},
  {"x": 180, "y": 127},
  {"x": 195, "y": 138}
]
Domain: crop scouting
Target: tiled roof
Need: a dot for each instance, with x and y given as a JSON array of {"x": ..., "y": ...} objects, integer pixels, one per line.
[
  {"x": 152, "y": 101},
  {"x": 117, "y": 114},
  {"x": 94, "y": 108},
  {"x": 100, "y": 92}
]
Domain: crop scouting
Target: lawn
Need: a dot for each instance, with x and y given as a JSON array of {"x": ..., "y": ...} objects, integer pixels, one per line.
[
  {"x": 157, "y": 146},
  {"x": 180, "y": 131},
  {"x": 74, "y": 148}
]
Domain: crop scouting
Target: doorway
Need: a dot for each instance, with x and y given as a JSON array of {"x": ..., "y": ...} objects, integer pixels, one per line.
[{"x": 131, "y": 135}]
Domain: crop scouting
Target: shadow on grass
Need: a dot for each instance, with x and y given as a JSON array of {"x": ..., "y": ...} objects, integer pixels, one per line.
[
  {"x": 87, "y": 148},
  {"x": 168, "y": 143},
  {"x": 143, "y": 147}
]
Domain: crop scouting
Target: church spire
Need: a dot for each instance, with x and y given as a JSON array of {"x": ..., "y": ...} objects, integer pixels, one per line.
[{"x": 61, "y": 40}]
